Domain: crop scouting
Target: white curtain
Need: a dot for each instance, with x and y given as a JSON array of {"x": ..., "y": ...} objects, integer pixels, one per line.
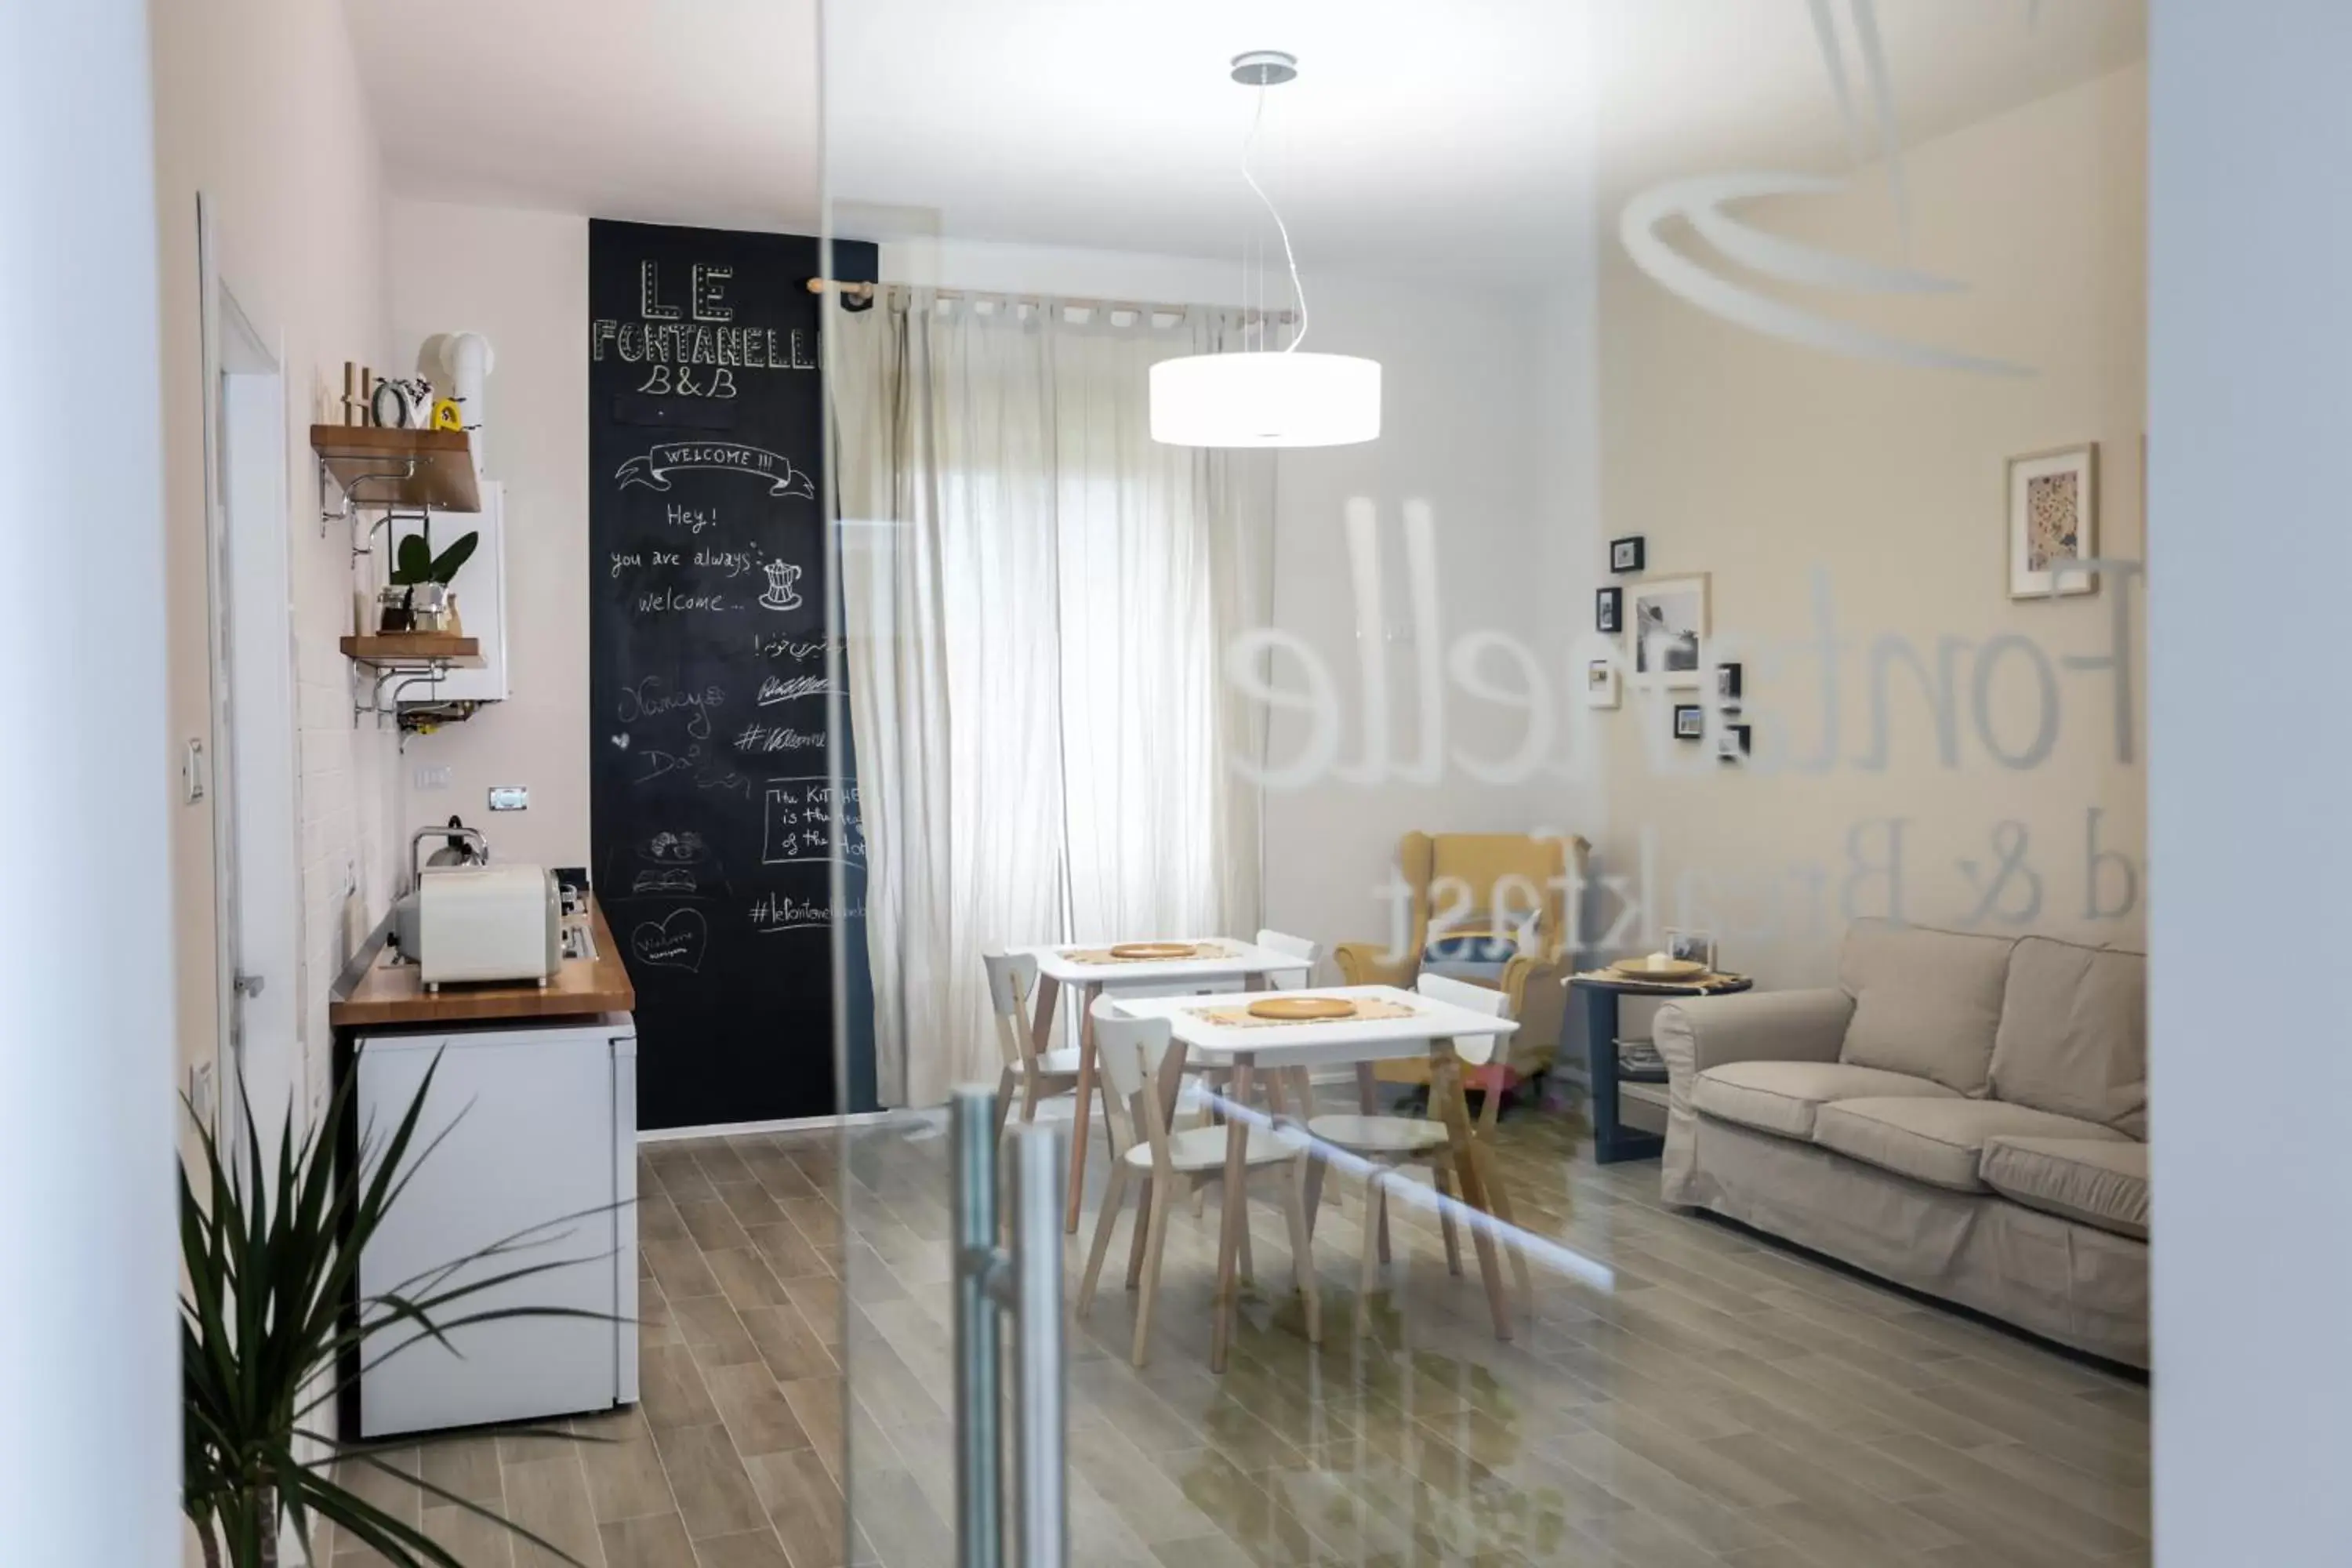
[{"x": 1036, "y": 599}]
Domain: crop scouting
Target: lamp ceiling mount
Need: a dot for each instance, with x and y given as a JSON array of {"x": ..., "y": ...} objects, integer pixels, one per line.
[{"x": 1264, "y": 67}]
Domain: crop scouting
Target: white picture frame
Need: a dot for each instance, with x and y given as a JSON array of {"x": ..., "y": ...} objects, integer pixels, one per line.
[
  {"x": 1668, "y": 621},
  {"x": 2053, "y": 517},
  {"x": 1603, "y": 684}
]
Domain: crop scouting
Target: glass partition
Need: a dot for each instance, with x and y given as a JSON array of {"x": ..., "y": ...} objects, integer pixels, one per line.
[{"x": 1697, "y": 739}]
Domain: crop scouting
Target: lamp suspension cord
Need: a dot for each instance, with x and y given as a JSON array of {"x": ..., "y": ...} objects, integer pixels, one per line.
[{"x": 1249, "y": 151}]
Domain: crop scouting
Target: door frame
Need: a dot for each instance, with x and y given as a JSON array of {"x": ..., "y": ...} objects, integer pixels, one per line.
[{"x": 248, "y": 562}]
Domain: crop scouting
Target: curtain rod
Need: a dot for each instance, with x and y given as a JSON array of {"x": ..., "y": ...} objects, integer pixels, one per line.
[{"x": 866, "y": 292}]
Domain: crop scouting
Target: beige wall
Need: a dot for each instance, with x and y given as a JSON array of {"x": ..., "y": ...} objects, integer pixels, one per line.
[
  {"x": 1763, "y": 464},
  {"x": 257, "y": 104},
  {"x": 519, "y": 278}
]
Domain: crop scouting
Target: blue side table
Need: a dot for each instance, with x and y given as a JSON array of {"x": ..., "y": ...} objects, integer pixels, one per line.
[{"x": 1611, "y": 1141}]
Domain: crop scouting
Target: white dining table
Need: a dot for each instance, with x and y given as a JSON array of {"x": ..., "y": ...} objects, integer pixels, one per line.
[
  {"x": 1276, "y": 1049},
  {"x": 1065, "y": 963}
]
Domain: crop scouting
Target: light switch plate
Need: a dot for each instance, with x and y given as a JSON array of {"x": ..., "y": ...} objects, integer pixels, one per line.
[
  {"x": 434, "y": 776},
  {"x": 509, "y": 797},
  {"x": 193, "y": 773}
]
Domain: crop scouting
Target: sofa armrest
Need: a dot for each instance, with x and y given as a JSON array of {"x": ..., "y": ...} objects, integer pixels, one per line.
[
  {"x": 1702, "y": 1031},
  {"x": 1367, "y": 963}
]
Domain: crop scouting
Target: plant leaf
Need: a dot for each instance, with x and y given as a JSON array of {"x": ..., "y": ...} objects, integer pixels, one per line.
[
  {"x": 412, "y": 563},
  {"x": 446, "y": 564}
]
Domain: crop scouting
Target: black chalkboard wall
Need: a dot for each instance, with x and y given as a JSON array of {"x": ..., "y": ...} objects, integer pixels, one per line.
[{"x": 713, "y": 823}]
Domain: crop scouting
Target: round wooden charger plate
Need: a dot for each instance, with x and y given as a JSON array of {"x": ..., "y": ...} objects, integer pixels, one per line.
[
  {"x": 1642, "y": 969},
  {"x": 1303, "y": 1007},
  {"x": 1155, "y": 950}
]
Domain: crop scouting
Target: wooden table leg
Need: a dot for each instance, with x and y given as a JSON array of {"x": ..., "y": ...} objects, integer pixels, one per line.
[
  {"x": 1317, "y": 1165},
  {"x": 1086, "y": 1001},
  {"x": 1237, "y": 1215},
  {"x": 1445, "y": 1093}
]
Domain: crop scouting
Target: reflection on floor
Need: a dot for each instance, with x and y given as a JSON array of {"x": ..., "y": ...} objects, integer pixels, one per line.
[{"x": 1726, "y": 1404}]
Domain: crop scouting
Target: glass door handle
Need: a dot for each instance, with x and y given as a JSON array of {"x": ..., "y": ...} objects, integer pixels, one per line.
[{"x": 1024, "y": 1281}]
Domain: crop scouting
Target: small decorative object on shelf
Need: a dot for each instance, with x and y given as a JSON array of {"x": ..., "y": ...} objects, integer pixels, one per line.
[
  {"x": 1690, "y": 721},
  {"x": 1731, "y": 743},
  {"x": 1691, "y": 946},
  {"x": 1609, "y": 610},
  {"x": 402, "y": 405},
  {"x": 421, "y": 579},
  {"x": 1628, "y": 554},
  {"x": 446, "y": 416},
  {"x": 1728, "y": 681}
]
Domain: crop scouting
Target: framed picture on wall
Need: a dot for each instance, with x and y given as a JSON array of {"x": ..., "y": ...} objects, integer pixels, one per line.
[
  {"x": 1690, "y": 721},
  {"x": 1731, "y": 743},
  {"x": 1668, "y": 619},
  {"x": 1609, "y": 611},
  {"x": 2054, "y": 520},
  {"x": 1627, "y": 554},
  {"x": 1602, "y": 685},
  {"x": 1728, "y": 681}
]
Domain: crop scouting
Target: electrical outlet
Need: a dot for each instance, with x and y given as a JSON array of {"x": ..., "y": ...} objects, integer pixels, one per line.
[
  {"x": 434, "y": 776},
  {"x": 509, "y": 797}
]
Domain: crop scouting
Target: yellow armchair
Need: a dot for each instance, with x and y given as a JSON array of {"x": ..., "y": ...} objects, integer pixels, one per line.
[{"x": 1459, "y": 880}]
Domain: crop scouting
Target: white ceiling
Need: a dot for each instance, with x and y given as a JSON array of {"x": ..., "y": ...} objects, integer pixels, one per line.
[{"x": 1420, "y": 136}]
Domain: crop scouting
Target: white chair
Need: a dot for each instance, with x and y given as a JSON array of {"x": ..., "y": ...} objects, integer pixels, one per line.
[
  {"x": 1128, "y": 1053},
  {"x": 1389, "y": 1143},
  {"x": 1012, "y": 982}
]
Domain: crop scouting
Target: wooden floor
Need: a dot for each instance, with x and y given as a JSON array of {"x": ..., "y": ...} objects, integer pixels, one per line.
[{"x": 1719, "y": 1402}]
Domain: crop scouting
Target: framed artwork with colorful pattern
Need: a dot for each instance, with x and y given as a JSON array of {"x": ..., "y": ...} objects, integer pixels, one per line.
[{"x": 2053, "y": 521}]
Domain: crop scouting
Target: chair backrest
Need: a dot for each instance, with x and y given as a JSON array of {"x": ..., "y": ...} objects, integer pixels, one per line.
[
  {"x": 1128, "y": 1051},
  {"x": 1474, "y": 1050},
  {"x": 1012, "y": 981},
  {"x": 1306, "y": 951}
]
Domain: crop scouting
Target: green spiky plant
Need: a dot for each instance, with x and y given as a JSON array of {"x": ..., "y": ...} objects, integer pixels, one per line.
[{"x": 266, "y": 1330}]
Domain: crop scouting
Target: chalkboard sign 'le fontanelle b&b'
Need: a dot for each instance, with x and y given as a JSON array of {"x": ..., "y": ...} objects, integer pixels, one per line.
[{"x": 715, "y": 817}]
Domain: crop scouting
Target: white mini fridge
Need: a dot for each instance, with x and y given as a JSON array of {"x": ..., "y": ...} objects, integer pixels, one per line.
[{"x": 540, "y": 1127}]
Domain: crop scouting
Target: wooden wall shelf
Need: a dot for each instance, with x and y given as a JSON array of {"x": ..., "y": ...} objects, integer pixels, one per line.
[
  {"x": 415, "y": 649},
  {"x": 415, "y": 469}
]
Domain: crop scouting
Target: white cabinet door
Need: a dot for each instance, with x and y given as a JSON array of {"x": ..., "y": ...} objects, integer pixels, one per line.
[{"x": 530, "y": 1142}]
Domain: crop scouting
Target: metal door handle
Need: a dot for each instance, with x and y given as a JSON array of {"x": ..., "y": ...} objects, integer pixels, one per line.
[
  {"x": 248, "y": 984},
  {"x": 1026, "y": 1281}
]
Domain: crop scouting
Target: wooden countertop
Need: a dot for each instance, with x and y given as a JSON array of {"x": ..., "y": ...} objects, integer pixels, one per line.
[{"x": 375, "y": 993}]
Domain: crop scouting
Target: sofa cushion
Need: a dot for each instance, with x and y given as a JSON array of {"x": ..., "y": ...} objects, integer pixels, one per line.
[
  {"x": 2074, "y": 1034},
  {"x": 1925, "y": 1003},
  {"x": 1939, "y": 1141},
  {"x": 2097, "y": 1181},
  {"x": 1781, "y": 1097}
]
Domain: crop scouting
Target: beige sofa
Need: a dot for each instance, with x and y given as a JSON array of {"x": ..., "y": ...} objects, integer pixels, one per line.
[{"x": 1962, "y": 1115}]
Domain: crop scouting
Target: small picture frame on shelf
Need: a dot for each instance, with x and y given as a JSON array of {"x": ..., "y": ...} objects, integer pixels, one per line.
[
  {"x": 1603, "y": 684},
  {"x": 1731, "y": 743},
  {"x": 1691, "y": 946},
  {"x": 1729, "y": 680},
  {"x": 1609, "y": 611},
  {"x": 1628, "y": 554},
  {"x": 1690, "y": 721}
]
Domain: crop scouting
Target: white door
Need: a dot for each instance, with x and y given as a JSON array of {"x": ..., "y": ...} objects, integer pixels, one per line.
[{"x": 255, "y": 806}]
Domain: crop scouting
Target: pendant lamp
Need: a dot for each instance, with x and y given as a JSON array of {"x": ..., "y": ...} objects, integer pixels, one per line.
[{"x": 1266, "y": 397}]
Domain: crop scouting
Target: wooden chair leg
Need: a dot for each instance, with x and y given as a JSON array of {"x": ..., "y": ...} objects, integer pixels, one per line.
[
  {"x": 1104, "y": 1224},
  {"x": 1446, "y": 1193},
  {"x": 1498, "y": 1198},
  {"x": 1153, "y": 1246},
  {"x": 1302, "y": 1247},
  {"x": 1145, "y": 1195},
  {"x": 1385, "y": 1230},
  {"x": 1368, "y": 1266},
  {"x": 1249, "y": 1269},
  {"x": 1003, "y": 1101}
]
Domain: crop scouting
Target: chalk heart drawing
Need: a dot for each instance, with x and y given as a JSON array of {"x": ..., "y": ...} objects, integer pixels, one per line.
[
  {"x": 1701, "y": 201},
  {"x": 674, "y": 942},
  {"x": 653, "y": 469},
  {"x": 781, "y": 575}
]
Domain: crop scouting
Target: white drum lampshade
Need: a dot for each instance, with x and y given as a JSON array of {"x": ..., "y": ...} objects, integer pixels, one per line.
[{"x": 1265, "y": 399}]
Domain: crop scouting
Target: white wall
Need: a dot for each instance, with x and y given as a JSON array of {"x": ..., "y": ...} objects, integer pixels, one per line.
[
  {"x": 89, "y": 1444},
  {"x": 2250, "y": 332},
  {"x": 519, "y": 278}
]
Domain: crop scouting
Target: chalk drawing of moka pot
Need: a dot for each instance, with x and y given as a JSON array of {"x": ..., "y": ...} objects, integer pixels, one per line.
[{"x": 781, "y": 575}]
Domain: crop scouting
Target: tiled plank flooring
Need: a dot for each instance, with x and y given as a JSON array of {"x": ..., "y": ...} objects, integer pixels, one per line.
[{"x": 1723, "y": 1404}]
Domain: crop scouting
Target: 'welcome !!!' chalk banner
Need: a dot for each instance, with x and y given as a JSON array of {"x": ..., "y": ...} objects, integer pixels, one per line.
[{"x": 717, "y": 819}]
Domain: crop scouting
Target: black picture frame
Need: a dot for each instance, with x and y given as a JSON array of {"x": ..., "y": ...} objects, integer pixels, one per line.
[
  {"x": 1731, "y": 743},
  {"x": 1690, "y": 721},
  {"x": 1630, "y": 553},
  {"x": 1609, "y": 610},
  {"x": 1729, "y": 681}
]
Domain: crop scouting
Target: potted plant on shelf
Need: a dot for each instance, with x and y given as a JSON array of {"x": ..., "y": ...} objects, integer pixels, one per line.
[
  {"x": 269, "y": 1335},
  {"x": 418, "y": 599}
]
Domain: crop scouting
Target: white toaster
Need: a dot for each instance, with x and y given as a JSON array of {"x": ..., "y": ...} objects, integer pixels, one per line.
[{"x": 487, "y": 923}]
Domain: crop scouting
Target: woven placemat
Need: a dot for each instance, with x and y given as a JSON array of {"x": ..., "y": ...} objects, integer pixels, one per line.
[
  {"x": 1105, "y": 955},
  {"x": 1242, "y": 1018},
  {"x": 1699, "y": 987}
]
